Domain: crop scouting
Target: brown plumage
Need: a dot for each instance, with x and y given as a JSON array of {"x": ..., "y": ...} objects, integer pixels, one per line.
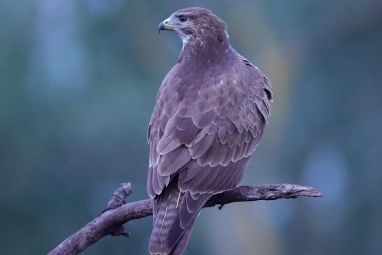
[{"x": 209, "y": 117}]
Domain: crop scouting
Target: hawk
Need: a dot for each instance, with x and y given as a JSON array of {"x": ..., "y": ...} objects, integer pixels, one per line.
[{"x": 209, "y": 116}]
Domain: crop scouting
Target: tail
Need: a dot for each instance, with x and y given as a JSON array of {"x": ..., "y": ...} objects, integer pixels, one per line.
[{"x": 174, "y": 216}]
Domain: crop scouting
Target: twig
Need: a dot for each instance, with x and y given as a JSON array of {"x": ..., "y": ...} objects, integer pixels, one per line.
[{"x": 117, "y": 213}]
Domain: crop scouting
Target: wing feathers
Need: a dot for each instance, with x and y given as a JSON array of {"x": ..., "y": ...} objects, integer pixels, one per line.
[
  {"x": 200, "y": 148},
  {"x": 173, "y": 161},
  {"x": 166, "y": 144},
  {"x": 204, "y": 119},
  {"x": 204, "y": 106},
  {"x": 192, "y": 171}
]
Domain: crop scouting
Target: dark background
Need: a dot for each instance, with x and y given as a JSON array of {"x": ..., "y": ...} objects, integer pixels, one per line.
[{"x": 78, "y": 81}]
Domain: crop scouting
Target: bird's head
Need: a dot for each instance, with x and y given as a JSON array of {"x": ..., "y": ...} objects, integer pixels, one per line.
[{"x": 195, "y": 23}]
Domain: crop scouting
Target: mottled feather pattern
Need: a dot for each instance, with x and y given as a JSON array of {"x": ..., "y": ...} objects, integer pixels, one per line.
[{"x": 209, "y": 117}]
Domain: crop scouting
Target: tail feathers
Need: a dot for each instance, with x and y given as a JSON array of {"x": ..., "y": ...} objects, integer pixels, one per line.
[
  {"x": 174, "y": 215},
  {"x": 182, "y": 243}
]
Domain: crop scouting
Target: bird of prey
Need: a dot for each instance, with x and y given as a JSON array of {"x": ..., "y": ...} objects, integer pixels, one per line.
[{"x": 209, "y": 116}]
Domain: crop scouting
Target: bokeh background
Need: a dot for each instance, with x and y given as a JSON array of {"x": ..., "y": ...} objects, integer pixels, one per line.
[{"x": 78, "y": 80}]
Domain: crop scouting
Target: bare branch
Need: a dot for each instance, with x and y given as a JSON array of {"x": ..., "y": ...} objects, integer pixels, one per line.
[{"x": 111, "y": 221}]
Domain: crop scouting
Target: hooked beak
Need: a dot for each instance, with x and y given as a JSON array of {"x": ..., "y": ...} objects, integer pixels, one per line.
[{"x": 165, "y": 25}]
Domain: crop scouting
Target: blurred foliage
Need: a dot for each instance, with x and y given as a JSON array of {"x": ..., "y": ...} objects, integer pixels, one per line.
[{"x": 78, "y": 81}]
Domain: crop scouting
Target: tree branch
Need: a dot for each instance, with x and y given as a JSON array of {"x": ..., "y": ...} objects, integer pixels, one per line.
[{"x": 117, "y": 213}]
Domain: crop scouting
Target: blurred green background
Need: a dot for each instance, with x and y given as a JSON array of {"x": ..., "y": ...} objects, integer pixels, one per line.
[{"x": 78, "y": 80}]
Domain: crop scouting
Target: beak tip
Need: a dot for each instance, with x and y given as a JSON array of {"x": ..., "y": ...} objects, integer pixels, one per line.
[{"x": 161, "y": 26}]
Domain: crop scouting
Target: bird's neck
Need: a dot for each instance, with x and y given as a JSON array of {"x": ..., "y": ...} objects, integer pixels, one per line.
[{"x": 205, "y": 51}]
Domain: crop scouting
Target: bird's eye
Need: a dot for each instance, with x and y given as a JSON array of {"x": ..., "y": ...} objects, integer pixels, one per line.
[{"x": 182, "y": 18}]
